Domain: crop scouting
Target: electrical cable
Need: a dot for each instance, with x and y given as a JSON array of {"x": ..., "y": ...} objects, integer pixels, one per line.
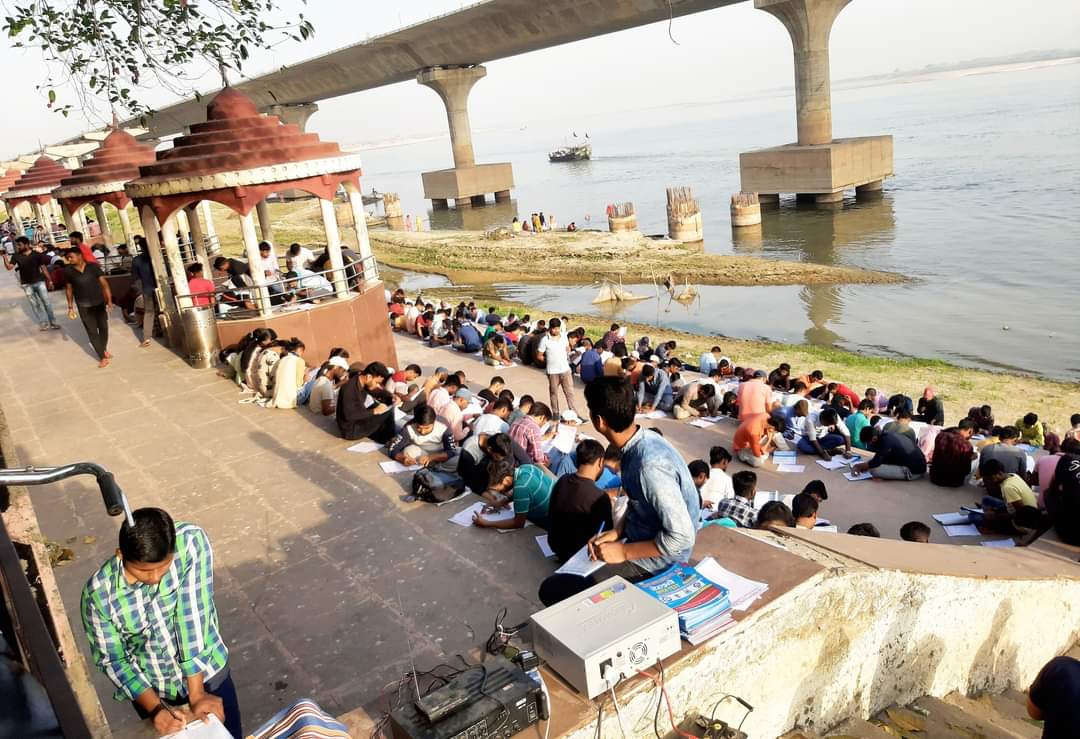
[
  {"x": 667, "y": 700},
  {"x": 600, "y": 716},
  {"x": 618, "y": 711},
  {"x": 670, "y": 23}
]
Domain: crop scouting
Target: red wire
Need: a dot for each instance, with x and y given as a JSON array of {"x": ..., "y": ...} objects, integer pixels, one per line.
[{"x": 667, "y": 700}]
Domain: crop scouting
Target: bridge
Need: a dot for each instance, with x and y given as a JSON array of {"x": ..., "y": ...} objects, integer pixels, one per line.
[{"x": 446, "y": 53}]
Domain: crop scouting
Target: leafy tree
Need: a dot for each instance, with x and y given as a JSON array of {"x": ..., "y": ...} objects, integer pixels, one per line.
[{"x": 116, "y": 50}]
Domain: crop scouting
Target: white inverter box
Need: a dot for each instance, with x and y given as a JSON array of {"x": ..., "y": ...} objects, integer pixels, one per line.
[{"x": 605, "y": 633}]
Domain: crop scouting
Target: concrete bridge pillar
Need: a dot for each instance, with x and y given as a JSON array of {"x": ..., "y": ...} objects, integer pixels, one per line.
[
  {"x": 467, "y": 183},
  {"x": 294, "y": 113}
]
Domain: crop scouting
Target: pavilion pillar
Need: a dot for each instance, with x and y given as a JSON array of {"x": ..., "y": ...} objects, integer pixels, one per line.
[
  {"x": 363, "y": 243},
  {"x": 175, "y": 262},
  {"x": 45, "y": 222},
  {"x": 266, "y": 228},
  {"x": 125, "y": 225},
  {"x": 251, "y": 247},
  {"x": 69, "y": 218},
  {"x": 197, "y": 241},
  {"x": 14, "y": 211},
  {"x": 174, "y": 330},
  {"x": 333, "y": 247},
  {"x": 184, "y": 228},
  {"x": 208, "y": 226},
  {"x": 106, "y": 229}
]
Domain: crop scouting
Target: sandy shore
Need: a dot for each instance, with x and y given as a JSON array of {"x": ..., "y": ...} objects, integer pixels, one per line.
[{"x": 590, "y": 256}]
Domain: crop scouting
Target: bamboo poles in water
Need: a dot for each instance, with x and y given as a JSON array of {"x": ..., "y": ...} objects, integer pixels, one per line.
[{"x": 684, "y": 215}]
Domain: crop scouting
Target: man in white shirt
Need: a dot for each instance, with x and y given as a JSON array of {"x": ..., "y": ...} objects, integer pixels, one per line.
[
  {"x": 718, "y": 487},
  {"x": 300, "y": 257},
  {"x": 494, "y": 421},
  {"x": 554, "y": 352}
]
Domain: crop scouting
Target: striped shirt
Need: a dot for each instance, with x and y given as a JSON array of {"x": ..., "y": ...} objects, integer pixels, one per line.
[{"x": 155, "y": 636}]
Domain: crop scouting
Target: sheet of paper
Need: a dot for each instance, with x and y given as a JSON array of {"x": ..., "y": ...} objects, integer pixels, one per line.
[
  {"x": 713, "y": 419},
  {"x": 855, "y": 477},
  {"x": 826, "y": 529},
  {"x": 791, "y": 468},
  {"x": 784, "y": 457},
  {"x": 701, "y": 423},
  {"x": 365, "y": 447},
  {"x": 464, "y": 517},
  {"x": 762, "y": 497},
  {"x": 999, "y": 543},
  {"x": 565, "y": 438},
  {"x": 393, "y": 467},
  {"x": 833, "y": 464},
  {"x": 742, "y": 591},
  {"x": 209, "y": 729},
  {"x": 545, "y": 548},
  {"x": 401, "y": 417},
  {"x": 654, "y": 415},
  {"x": 580, "y": 564},
  {"x": 964, "y": 529},
  {"x": 952, "y": 519}
]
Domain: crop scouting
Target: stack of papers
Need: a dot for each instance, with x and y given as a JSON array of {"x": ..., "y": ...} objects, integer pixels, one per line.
[
  {"x": 393, "y": 467},
  {"x": 703, "y": 607},
  {"x": 784, "y": 457},
  {"x": 833, "y": 464},
  {"x": 952, "y": 519},
  {"x": 999, "y": 543},
  {"x": 762, "y": 497},
  {"x": 580, "y": 564},
  {"x": 701, "y": 423},
  {"x": 790, "y": 468},
  {"x": 856, "y": 476},
  {"x": 465, "y": 517},
  {"x": 964, "y": 529},
  {"x": 742, "y": 592},
  {"x": 545, "y": 548}
]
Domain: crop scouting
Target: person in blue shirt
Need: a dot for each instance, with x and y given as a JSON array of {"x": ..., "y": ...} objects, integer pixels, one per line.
[
  {"x": 710, "y": 360},
  {"x": 654, "y": 390},
  {"x": 468, "y": 338},
  {"x": 591, "y": 366}
]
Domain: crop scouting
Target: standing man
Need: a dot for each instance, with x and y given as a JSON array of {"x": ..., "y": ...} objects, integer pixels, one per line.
[
  {"x": 554, "y": 353},
  {"x": 34, "y": 281},
  {"x": 88, "y": 288},
  {"x": 152, "y": 625},
  {"x": 142, "y": 271}
]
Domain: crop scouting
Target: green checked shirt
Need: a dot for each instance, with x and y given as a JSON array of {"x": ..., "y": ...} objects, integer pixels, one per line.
[{"x": 146, "y": 636}]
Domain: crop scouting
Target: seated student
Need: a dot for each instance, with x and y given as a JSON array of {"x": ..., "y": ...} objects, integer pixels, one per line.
[
  {"x": 452, "y": 414},
  {"x": 817, "y": 489},
  {"x": 492, "y": 316},
  {"x": 522, "y": 410},
  {"x": 654, "y": 390},
  {"x": 719, "y": 487},
  {"x": 825, "y": 437},
  {"x": 901, "y": 425},
  {"x": 834, "y": 389},
  {"x": 953, "y": 455},
  {"x": 1062, "y": 498},
  {"x": 610, "y": 475},
  {"x": 815, "y": 383},
  {"x": 477, "y": 451},
  {"x": 930, "y": 409},
  {"x": 200, "y": 289},
  {"x": 666, "y": 351},
  {"x": 527, "y": 432},
  {"x": 804, "y": 507},
  {"x": 493, "y": 421},
  {"x": 591, "y": 365},
  {"x": 983, "y": 418},
  {"x": 992, "y": 438},
  {"x": 1031, "y": 430},
  {"x": 322, "y": 396},
  {"x": 897, "y": 403},
  {"x": 289, "y": 375},
  {"x": 865, "y": 529},
  {"x": 491, "y": 393},
  {"x": 780, "y": 378},
  {"x": 729, "y": 405},
  {"x": 578, "y": 507},
  {"x": 425, "y": 441},
  {"x": 915, "y": 531},
  {"x": 774, "y": 513},
  {"x": 859, "y": 420},
  {"x": 1015, "y": 511},
  {"x": 527, "y": 487},
  {"x": 468, "y": 338},
  {"x": 364, "y": 408},
  {"x": 440, "y": 396},
  {"x": 710, "y": 360},
  {"x": 263, "y": 376},
  {"x": 740, "y": 507},
  {"x": 1054, "y": 696},
  {"x": 698, "y": 398},
  {"x": 1074, "y": 428},
  {"x": 756, "y": 438},
  {"x": 896, "y": 456},
  {"x": 699, "y": 472},
  {"x": 497, "y": 352},
  {"x": 1012, "y": 457}
]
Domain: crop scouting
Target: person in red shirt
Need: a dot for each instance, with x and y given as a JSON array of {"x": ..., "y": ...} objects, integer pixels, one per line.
[
  {"x": 75, "y": 239},
  {"x": 839, "y": 388},
  {"x": 200, "y": 288}
]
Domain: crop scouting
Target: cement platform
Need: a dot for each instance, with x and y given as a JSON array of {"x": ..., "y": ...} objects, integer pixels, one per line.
[{"x": 313, "y": 544}]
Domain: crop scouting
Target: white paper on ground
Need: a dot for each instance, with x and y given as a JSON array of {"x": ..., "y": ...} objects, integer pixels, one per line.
[
  {"x": 952, "y": 519},
  {"x": 365, "y": 447},
  {"x": 654, "y": 415},
  {"x": 713, "y": 419},
  {"x": 855, "y": 477},
  {"x": 762, "y": 497},
  {"x": 542, "y": 542},
  {"x": 999, "y": 543},
  {"x": 833, "y": 464},
  {"x": 826, "y": 529},
  {"x": 965, "y": 529},
  {"x": 784, "y": 457},
  {"x": 790, "y": 468},
  {"x": 393, "y": 467},
  {"x": 464, "y": 517},
  {"x": 209, "y": 729},
  {"x": 580, "y": 564},
  {"x": 701, "y": 423}
]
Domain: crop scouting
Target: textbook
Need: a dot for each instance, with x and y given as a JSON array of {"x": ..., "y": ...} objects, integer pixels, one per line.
[{"x": 703, "y": 606}]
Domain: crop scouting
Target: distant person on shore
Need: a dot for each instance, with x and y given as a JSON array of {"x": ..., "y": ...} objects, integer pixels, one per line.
[
  {"x": 554, "y": 352},
  {"x": 930, "y": 409},
  {"x": 1031, "y": 430},
  {"x": 572, "y": 227},
  {"x": 515, "y": 226},
  {"x": 89, "y": 290},
  {"x": 896, "y": 456}
]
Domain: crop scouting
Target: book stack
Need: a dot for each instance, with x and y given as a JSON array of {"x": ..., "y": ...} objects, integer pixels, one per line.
[{"x": 703, "y": 606}]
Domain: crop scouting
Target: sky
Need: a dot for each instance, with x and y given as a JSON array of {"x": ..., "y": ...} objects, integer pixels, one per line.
[{"x": 725, "y": 53}]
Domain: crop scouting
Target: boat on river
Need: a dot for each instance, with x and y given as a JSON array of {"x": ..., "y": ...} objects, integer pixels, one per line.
[{"x": 573, "y": 152}]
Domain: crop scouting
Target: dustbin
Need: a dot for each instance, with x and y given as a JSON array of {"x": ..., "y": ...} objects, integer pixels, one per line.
[{"x": 200, "y": 336}]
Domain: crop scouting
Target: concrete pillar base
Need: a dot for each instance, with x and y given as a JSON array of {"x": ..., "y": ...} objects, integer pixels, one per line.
[
  {"x": 478, "y": 201},
  {"x": 502, "y": 196},
  {"x": 440, "y": 204},
  {"x": 870, "y": 189},
  {"x": 770, "y": 199},
  {"x": 619, "y": 224},
  {"x": 829, "y": 198}
]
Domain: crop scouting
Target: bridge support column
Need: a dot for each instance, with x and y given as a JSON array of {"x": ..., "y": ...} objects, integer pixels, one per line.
[
  {"x": 296, "y": 114},
  {"x": 816, "y": 165},
  {"x": 467, "y": 182}
]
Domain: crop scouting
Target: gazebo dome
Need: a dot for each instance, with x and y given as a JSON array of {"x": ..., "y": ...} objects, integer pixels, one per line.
[
  {"x": 38, "y": 182},
  {"x": 113, "y": 165},
  {"x": 7, "y": 179}
]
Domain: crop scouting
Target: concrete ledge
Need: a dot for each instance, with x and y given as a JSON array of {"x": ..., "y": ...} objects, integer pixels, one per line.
[
  {"x": 826, "y": 168},
  {"x": 453, "y": 184}
]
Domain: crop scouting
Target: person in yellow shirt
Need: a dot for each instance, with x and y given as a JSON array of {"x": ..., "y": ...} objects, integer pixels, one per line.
[
  {"x": 1031, "y": 430},
  {"x": 1015, "y": 511}
]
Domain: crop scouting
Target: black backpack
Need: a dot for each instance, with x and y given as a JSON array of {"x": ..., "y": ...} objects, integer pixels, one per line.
[{"x": 435, "y": 487}]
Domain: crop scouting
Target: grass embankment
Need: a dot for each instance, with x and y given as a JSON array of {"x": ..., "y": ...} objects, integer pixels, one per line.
[{"x": 1011, "y": 395}]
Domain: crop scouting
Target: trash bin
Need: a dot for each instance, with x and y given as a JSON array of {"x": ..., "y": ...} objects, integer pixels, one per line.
[{"x": 200, "y": 336}]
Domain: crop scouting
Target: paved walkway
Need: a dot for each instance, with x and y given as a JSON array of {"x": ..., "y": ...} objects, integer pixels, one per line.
[{"x": 314, "y": 544}]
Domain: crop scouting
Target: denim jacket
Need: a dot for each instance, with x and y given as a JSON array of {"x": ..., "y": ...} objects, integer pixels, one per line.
[{"x": 663, "y": 504}]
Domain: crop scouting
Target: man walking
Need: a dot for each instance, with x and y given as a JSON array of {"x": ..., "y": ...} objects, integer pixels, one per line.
[
  {"x": 554, "y": 353},
  {"x": 152, "y": 625},
  {"x": 35, "y": 282},
  {"x": 88, "y": 288},
  {"x": 142, "y": 271}
]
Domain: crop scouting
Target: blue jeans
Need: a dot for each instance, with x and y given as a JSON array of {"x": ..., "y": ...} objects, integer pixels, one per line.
[
  {"x": 989, "y": 503},
  {"x": 38, "y": 297},
  {"x": 828, "y": 441}
]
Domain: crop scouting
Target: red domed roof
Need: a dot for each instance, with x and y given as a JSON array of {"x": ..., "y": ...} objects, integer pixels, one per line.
[
  {"x": 7, "y": 179},
  {"x": 45, "y": 174},
  {"x": 236, "y": 137},
  {"x": 117, "y": 160}
]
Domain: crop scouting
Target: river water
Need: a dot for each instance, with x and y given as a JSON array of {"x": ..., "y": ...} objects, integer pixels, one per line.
[{"x": 983, "y": 214}]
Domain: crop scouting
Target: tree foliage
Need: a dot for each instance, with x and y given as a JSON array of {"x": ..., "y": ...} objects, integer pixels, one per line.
[{"x": 118, "y": 50}]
